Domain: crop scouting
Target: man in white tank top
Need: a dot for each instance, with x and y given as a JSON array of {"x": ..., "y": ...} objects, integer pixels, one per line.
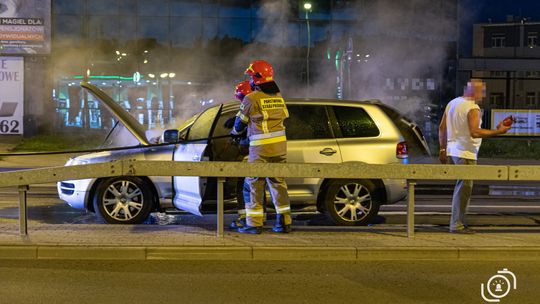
[{"x": 460, "y": 137}]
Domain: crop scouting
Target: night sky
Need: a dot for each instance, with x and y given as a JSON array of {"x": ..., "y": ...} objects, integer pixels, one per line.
[{"x": 480, "y": 11}]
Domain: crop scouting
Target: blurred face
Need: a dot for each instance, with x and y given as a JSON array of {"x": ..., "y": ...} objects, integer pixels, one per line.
[
  {"x": 476, "y": 90},
  {"x": 479, "y": 90}
]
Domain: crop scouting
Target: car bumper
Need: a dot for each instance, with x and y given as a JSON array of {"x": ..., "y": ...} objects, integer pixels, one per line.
[
  {"x": 74, "y": 192},
  {"x": 396, "y": 190}
]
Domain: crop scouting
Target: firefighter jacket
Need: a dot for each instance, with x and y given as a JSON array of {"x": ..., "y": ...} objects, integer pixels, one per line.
[{"x": 263, "y": 116}]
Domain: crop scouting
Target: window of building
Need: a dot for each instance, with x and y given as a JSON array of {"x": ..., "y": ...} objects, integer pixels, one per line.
[
  {"x": 496, "y": 100},
  {"x": 128, "y": 30},
  {"x": 355, "y": 122},
  {"x": 152, "y": 30},
  {"x": 235, "y": 28},
  {"x": 102, "y": 7},
  {"x": 532, "y": 39},
  {"x": 307, "y": 122},
  {"x": 498, "y": 40},
  {"x": 102, "y": 27},
  {"x": 209, "y": 29},
  {"x": 532, "y": 74},
  {"x": 187, "y": 8},
  {"x": 235, "y": 8},
  {"x": 497, "y": 73},
  {"x": 530, "y": 99},
  {"x": 68, "y": 6},
  {"x": 210, "y": 8},
  {"x": 127, "y": 7},
  {"x": 153, "y": 8},
  {"x": 185, "y": 31},
  {"x": 68, "y": 29}
]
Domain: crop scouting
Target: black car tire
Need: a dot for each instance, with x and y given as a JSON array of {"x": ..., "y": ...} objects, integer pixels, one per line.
[
  {"x": 351, "y": 202},
  {"x": 123, "y": 200}
]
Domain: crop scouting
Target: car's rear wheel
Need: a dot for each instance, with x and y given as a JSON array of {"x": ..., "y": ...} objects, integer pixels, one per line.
[
  {"x": 351, "y": 202},
  {"x": 123, "y": 200}
]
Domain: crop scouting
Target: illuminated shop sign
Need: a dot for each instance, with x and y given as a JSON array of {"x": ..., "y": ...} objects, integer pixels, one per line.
[
  {"x": 526, "y": 122},
  {"x": 25, "y": 26}
]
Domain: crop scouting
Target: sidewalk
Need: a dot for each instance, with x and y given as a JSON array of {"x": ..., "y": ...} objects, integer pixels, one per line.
[{"x": 199, "y": 242}]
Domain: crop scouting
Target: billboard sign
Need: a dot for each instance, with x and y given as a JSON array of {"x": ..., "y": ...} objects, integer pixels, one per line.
[
  {"x": 25, "y": 26},
  {"x": 526, "y": 122},
  {"x": 11, "y": 95}
]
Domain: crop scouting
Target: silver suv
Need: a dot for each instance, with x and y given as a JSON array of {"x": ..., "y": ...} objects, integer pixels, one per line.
[{"x": 318, "y": 131}]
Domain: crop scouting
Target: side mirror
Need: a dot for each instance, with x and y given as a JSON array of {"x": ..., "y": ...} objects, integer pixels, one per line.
[{"x": 169, "y": 136}]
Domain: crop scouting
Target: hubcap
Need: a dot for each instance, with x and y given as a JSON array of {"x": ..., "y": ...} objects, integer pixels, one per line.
[
  {"x": 353, "y": 202},
  {"x": 123, "y": 200}
]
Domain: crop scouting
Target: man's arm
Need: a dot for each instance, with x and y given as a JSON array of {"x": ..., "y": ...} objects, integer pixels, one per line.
[
  {"x": 442, "y": 139},
  {"x": 242, "y": 117},
  {"x": 473, "y": 118}
]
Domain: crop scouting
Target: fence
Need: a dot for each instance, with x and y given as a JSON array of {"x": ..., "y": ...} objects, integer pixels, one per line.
[{"x": 222, "y": 170}]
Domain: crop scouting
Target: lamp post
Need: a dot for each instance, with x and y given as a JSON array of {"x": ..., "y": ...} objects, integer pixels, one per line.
[{"x": 307, "y": 8}]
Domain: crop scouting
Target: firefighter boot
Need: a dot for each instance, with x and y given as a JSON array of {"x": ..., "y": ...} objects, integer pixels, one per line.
[
  {"x": 237, "y": 223},
  {"x": 280, "y": 226},
  {"x": 251, "y": 229}
]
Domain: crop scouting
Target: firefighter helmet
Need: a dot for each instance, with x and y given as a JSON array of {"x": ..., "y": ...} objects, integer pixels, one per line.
[
  {"x": 260, "y": 72},
  {"x": 242, "y": 89}
]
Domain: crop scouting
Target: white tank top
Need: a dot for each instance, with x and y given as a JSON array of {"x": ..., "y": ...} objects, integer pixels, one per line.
[{"x": 460, "y": 143}]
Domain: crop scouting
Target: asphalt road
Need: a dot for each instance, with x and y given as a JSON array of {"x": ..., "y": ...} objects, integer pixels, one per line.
[
  {"x": 431, "y": 210},
  {"x": 67, "y": 281}
]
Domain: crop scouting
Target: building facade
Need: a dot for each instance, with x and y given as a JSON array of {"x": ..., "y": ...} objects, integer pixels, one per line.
[
  {"x": 163, "y": 60},
  {"x": 507, "y": 57}
]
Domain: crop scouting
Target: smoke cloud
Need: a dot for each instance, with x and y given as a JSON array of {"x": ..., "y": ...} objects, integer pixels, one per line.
[{"x": 398, "y": 54}]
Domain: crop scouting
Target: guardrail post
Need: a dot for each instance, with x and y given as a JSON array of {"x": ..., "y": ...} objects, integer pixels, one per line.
[
  {"x": 220, "y": 203},
  {"x": 23, "y": 220},
  {"x": 410, "y": 208}
]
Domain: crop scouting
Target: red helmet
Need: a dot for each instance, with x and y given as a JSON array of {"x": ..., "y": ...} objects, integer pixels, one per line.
[
  {"x": 260, "y": 72},
  {"x": 242, "y": 89}
]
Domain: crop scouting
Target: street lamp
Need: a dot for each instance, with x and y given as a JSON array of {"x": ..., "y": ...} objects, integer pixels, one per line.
[{"x": 307, "y": 8}]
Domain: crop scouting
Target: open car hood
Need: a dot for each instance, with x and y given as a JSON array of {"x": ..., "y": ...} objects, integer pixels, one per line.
[{"x": 122, "y": 115}]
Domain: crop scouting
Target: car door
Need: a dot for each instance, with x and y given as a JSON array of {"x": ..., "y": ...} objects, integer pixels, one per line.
[
  {"x": 310, "y": 139},
  {"x": 189, "y": 190},
  {"x": 364, "y": 137}
]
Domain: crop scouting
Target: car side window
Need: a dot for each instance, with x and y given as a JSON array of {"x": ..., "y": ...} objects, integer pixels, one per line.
[
  {"x": 307, "y": 122},
  {"x": 355, "y": 122},
  {"x": 202, "y": 125}
]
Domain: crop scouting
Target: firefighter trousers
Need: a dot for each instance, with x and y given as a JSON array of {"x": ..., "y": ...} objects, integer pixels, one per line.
[{"x": 278, "y": 191}]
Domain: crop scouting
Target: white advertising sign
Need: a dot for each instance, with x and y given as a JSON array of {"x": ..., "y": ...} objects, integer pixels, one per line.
[
  {"x": 11, "y": 95},
  {"x": 526, "y": 122},
  {"x": 25, "y": 26}
]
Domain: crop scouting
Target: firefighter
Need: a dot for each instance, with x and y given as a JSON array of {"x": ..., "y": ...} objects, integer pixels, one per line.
[
  {"x": 241, "y": 90},
  {"x": 262, "y": 113}
]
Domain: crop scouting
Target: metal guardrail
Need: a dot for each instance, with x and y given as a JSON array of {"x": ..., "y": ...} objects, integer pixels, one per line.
[{"x": 221, "y": 170}]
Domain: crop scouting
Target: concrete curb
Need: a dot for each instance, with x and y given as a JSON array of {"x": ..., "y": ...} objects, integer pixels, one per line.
[{"x": 68, "y": 252}]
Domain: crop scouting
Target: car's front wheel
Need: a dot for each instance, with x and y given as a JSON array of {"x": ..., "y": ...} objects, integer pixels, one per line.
[
  {"x": 123, "y": 200},
  {"x": 351, "y": 202}
]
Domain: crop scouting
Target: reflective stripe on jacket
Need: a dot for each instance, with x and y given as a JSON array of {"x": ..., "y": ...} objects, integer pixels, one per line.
[{"x": 264, "y": 115}]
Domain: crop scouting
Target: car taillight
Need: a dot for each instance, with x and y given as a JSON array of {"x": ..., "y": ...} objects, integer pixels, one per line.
[{"x": 401, "y": 150}]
